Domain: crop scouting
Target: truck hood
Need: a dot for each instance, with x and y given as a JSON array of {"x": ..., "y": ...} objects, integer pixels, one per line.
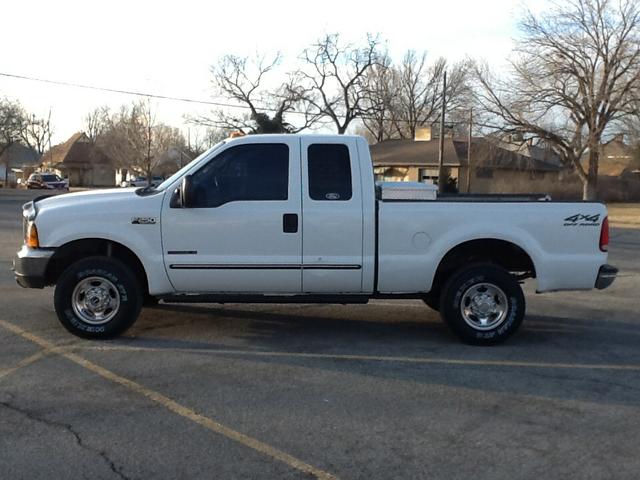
[
  {"x": 107, "y": 214},
  {"x": 86, "y": 199}
]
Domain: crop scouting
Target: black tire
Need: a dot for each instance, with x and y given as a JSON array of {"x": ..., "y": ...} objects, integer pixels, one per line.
[
  {"x": 480, "y": 281},
  {"x": 118, "y": 282}
]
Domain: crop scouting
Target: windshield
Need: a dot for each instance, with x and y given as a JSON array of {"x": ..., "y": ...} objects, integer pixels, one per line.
[
  {"x": 51, "y": 178},
  {"x": 181, "y": 172}
]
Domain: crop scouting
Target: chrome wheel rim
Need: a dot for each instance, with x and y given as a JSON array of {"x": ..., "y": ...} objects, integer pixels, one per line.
[
  {"x": 95, "y": 300},
  {"x": 484, "y": 306}
]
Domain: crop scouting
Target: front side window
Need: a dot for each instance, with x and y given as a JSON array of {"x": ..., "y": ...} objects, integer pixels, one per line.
[
  {"x": 257, "y": 171},
  {"x": 329, "y": 168}
]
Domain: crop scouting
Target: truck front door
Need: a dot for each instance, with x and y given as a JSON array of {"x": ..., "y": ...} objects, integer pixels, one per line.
[{"x": 242, "y": 233}]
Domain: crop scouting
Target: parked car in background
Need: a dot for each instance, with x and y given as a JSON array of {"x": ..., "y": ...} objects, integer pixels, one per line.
[
  {"x": 142, "y": 182},
  {"x": 47, "y": 181}
]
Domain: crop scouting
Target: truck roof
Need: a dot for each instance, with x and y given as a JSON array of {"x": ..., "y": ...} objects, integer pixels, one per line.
[{"x": 275, "y": 136}]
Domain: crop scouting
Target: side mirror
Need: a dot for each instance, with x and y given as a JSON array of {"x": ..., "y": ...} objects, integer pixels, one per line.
[{"x": 186, "y": 192}]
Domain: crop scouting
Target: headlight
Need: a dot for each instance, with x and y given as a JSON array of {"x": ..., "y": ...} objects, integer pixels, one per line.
[{"x": 29, "y": 211}]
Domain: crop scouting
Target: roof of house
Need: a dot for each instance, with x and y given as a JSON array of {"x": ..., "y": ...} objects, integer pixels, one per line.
[
  {"x": 483, "y": 154},
  {"x": 20, "y": 156},
  {"x": 77, "y": 151},
  {"x": 409, "y": 152}
]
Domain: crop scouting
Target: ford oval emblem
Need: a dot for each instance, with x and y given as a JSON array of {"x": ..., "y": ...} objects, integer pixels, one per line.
[{"x": 332, "y": 196}]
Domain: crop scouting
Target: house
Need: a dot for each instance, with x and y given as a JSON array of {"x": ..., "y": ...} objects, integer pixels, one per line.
[
  {"x": 494, "y": 168},
  {"x": 616, "y": 158},
  {"x": 166, "y": 164},
  {"x": 81, "y": 161},
  {"x": 416, "y": 161},
  {"x": 17, "y": 162}
]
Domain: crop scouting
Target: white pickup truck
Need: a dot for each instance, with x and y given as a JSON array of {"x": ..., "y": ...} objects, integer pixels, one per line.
[{"x": 299, "y": 218}]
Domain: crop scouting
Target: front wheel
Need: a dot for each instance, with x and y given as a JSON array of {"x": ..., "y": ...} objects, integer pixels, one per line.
[
  {"x": 483, "y": 304},
  {"x": 97, "y": 297}
]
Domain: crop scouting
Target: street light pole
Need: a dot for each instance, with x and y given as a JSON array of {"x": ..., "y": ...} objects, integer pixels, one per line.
[
  {"x": 441, "y": 176},
  {"x": 469, "y": 152}
]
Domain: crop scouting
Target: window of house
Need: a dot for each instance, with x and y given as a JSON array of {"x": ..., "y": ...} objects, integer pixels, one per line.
[
  {"x": 484, "y": 172},
  {"x": 428, "y": 175},
  {"x": 329, "y": 169},
  {"x": 252, "y": 172}
]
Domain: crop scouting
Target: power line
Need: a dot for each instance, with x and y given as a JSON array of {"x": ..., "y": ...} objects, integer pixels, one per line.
[
  {"x": 175, "y": 99},
  {"x": 126, "y": 92}
]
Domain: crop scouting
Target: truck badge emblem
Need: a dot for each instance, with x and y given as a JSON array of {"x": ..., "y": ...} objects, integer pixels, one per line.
[{"x": 143, "y": 221}]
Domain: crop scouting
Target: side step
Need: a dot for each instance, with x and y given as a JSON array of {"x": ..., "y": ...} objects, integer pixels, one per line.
[{"x": 240, "y": 298}]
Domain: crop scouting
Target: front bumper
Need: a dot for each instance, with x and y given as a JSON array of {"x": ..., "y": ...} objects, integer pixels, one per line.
[
  {"x": 30, "y": 267},
  {"x": 606, "y": 276}
]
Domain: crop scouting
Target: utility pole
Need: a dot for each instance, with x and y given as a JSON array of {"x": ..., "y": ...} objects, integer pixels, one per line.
[
  {"x": 441, "y": 176},
  {"x": 469, "y": 152}
]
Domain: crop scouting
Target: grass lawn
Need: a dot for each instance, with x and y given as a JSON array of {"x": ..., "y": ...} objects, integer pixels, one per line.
[{"x": 624, "y": 214}]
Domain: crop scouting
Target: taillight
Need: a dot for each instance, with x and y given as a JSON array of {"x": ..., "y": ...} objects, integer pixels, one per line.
[{"x": 604, "y": 235}]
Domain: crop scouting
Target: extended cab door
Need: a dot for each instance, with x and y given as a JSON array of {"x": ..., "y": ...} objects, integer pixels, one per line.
[
  {"x": 332, "y": 216},
  {"x": 243, "y": 232}
]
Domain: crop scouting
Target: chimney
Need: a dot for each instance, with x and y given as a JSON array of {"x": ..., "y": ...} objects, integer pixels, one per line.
[{"x": 423, "y": 134}]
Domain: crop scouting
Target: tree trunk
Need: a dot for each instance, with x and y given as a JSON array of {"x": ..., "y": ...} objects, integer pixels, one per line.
[
  {"x": 590, "y": 189},
  {"x": 590, "y": 186}
]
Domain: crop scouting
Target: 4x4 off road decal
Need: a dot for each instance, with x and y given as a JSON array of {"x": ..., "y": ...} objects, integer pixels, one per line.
[{"x": 580, "y": 220}]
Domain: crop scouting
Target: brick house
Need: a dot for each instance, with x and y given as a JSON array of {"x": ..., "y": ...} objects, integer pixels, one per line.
[
  {"x": 494, "y": 167},
  {"x": 81, "y": 161}
]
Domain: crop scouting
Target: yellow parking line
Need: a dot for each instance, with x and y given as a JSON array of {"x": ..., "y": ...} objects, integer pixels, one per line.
[
  {"x": 427, "y": 360},
  {"x": 172, "y": 405},
  {"x": 25, "y": 362}
]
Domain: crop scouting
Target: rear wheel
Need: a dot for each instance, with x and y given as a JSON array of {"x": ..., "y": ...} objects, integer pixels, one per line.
[
  {"x": 97, "y": 297},
  {"x": 483, "y": 304}
]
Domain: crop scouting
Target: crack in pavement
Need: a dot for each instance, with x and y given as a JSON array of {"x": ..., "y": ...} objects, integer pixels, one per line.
[{"x": 69, "y": 428}]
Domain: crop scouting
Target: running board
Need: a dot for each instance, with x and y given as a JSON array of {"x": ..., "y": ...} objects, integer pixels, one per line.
[{"x": 240, "y": 298}]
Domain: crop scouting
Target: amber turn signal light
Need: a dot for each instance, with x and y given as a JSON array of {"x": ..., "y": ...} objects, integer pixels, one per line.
[{"x": 31, "y": 239}]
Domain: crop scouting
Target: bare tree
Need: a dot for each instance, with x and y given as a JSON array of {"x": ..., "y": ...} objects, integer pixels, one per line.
[
  {"x": 202, "y": 140},
  {"x": 420, "y": 97},
  {"x": 148, "y": 121},
  {"x": 13, "y": 119},
  {"x": 335, "y": 78},
  {"x": 242, "y": 80},
  {"x": 135, "y": 140},
  {"x": 402, "y": 98},
  {"x": 36, "y": 133},
  {"x": 97, "y": 122},
  {"x": 380, "y": 101},
  {"x": 576, "y": 73}
]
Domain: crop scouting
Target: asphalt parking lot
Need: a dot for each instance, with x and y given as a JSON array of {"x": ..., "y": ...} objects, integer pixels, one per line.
[{"x": 369, "y": 391}]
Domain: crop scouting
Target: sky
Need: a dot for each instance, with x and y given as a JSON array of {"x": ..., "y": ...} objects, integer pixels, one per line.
[{"x": 167, "y": 48}]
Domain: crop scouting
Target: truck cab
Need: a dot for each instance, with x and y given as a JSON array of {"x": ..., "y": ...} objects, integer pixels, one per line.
[{"x": 240, "y": 226}]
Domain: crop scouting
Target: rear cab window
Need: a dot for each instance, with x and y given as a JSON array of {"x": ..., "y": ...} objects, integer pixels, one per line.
[{"x": 329, "y": 168}]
